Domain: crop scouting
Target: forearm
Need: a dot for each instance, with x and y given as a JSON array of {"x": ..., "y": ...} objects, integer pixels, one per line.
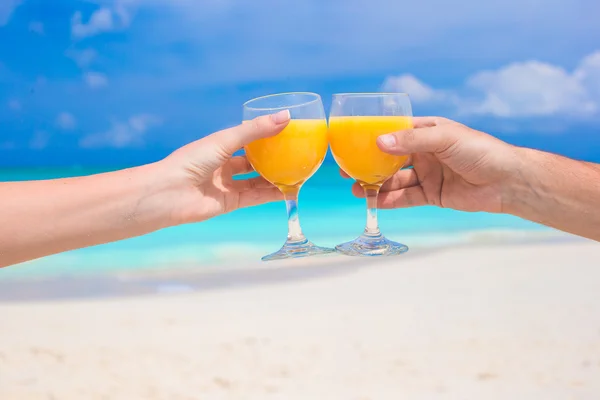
[
  {"x": 40, "y": 218},
  {"x": 557, "y": 192}
]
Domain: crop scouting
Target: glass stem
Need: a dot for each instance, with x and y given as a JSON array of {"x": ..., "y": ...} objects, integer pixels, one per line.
[
  {"x": 371, "y": 193},
  {"x": 290, "y": 195}
]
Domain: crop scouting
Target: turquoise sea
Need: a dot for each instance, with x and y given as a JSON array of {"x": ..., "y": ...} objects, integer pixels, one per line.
[{"x": 328, "y": 212}]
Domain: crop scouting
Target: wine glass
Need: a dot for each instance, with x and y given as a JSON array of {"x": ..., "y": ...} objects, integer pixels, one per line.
[
  {"x": 355, "y": 122},
  {"x": 288, "y": 159}
]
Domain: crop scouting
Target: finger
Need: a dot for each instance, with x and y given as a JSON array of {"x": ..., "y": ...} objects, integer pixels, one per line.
[
  {"x": 251, "y": 184},
  {"x": 344, "y": 174},
  {"x": 250, "y": 198},
  {"x": 409, "y": 197},
  {"x": 408, "y": 162},
  {"x": 434, "y": 139},
  {"x": 425, "y": 122},
  {"x": 240, "y": 165},
  {"x": 233, "y": 139},
  {"x": 357, "y": 190},
  {"x": 400, "y": 180}
]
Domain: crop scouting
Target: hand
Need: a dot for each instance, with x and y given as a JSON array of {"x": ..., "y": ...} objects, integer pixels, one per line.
[
  {"x": 453, "y": 166},
  {"x": 203, "y": 172}
]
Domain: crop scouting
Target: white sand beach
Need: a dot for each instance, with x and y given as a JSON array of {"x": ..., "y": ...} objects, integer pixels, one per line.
[{"x": 487, "y": 322}]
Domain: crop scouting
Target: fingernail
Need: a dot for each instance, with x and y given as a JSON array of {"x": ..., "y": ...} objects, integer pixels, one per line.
[
  {"x": 387, "y": 140},
  {"x": 281, "y": 117}
]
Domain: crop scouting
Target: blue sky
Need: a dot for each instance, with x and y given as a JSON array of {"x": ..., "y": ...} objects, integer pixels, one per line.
[{"x": 123, "y": 82}]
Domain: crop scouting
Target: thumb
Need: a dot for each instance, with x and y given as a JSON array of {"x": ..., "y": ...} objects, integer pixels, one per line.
[
  {"x": 433, "y": 139},
  {"x": 233, "y": 139}
]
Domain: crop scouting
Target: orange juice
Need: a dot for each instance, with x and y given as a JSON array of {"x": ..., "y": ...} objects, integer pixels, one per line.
[
  {"x": 292, "y": 156},
  {"x": 354, "y": 147}
]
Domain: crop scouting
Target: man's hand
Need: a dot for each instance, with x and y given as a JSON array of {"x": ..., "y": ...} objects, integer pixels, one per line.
[{"x": 453, "y": 166}]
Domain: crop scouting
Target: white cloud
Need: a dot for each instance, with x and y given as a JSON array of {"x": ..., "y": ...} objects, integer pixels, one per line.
[
  {"x": 37, "y": 27},
  {"x": 529, "y": 89},
  {"x": 66, "y": 121},
  {"x": 39, "y": 140},
  {"x": 122, "y": 13},
  {"x": 419, "y": 92},
  {"x": 100, "y": 21},
  {"x": 588, "y": 73},
  {"x": 95, "y": 79},
  {"x": 523, "y": 89},
  {"x": 6, "y": 9},
  {"x": 82, "y": 58},
  {"x": 122, "y": 134},
  {"x": 15, "y": 105},
  {"x": 105, "y": 19}
]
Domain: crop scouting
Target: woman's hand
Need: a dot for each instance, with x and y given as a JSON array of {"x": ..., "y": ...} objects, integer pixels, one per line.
[
  {"x": 203, "y": 172},
  {"x": 40, "y": 218}
]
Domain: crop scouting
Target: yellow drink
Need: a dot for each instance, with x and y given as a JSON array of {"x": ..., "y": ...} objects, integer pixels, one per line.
[
  {"x": 292, "y": 156},
  {"x": 354, "y": 147}
]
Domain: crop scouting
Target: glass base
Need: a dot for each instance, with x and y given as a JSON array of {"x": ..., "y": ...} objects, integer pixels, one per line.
[
  {"x": 303, "y": 248},
  {"x": 371, "y": 246}
]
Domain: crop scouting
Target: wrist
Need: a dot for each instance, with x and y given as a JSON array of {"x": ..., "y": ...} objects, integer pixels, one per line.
[
  {"x": 158, "y": 194},
  {"x": 518, "y": 189}
]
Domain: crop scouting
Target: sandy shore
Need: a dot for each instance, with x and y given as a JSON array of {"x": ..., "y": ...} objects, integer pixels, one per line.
[{"x": 497, "y": 322}]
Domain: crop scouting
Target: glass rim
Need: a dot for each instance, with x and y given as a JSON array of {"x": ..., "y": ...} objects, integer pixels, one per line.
[
  {"x": 316, "y": 96},
  {"x": 371, "y": 94}
]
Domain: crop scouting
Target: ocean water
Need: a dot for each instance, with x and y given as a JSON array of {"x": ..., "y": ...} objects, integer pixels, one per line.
[{"x": 328, "y": 212}]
